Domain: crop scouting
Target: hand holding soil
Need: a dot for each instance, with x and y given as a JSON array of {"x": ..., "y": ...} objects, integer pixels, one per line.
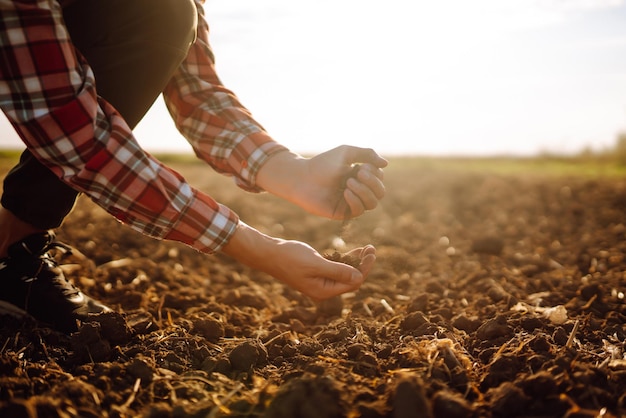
[
  {"x": 298, "y": 265},
  {"x": 326, "y": 184}
]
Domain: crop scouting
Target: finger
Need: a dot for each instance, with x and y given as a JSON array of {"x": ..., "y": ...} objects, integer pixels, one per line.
[
  {"x": 372, "y": 181},
  {"x": 361, "y": 252},
  {"x": 366, "y": 173},
  {"x": 364, "y": 155},
  {"x": 324, "y": 288},
  {"x": 368, "y": 199},
  {"x": 376, "y": 171},
  {"x": 345, "y": 279},
  {"x": 367, "y": 255},
  {"x": 355, "y": 204},
  {"x": 353, "y": 171},
  {"x": 367, "y": 263},
  {"x": 337, "y": 278},
  {"x": 340, "y": 272}
]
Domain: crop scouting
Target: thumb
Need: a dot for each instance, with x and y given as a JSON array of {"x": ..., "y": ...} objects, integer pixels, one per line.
[
  {"x": 367, "y": 263},
  {"x": 343, "y": 273}
]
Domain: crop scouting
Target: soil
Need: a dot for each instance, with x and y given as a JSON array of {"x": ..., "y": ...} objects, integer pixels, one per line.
[{"x": 493, "y": 295}]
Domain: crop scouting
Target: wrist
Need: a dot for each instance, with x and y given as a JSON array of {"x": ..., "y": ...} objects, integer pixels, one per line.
[
  {"x": 250, "y": 246},
  {"x": 280, "y": 172}
]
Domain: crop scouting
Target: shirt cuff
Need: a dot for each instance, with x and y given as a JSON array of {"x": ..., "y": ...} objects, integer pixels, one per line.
[
  {"x": 249, "y": 156},
  {"x": 207, "y": 234}
]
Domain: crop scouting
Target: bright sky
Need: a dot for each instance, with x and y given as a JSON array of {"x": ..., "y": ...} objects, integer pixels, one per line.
[{"x": 420, "y": 77}]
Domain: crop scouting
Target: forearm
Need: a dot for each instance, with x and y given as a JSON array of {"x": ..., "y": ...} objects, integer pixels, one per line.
[
  {"x": 254, "y": 249},
  {"x": 281, "y": 174},
  {"x": 220, "y": 129}
]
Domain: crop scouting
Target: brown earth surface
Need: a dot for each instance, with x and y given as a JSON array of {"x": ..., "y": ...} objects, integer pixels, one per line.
[{"x": 493, "y": 295}]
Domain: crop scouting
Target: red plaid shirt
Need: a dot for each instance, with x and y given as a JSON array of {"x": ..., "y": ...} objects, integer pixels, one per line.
[{"x": 47, "y": 91}]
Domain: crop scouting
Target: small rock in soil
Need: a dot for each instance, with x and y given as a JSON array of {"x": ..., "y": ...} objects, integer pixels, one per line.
[
  {"x": 451, "y": 405},
  {"x": 507, "y": 398},
  {"x": 140, "y": 368},
  {"x": 247, "y": 355},
  {"x": 409, "y": 399},
  {"x": 413, "y": 321},
  {"x": 308, "y": 397},
  {"x": 208, "y": 327},
  {"x": 493, "y": 328}
]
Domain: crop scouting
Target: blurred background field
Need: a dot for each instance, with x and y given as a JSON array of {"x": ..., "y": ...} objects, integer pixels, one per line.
[{"x": 610, "y": 162}]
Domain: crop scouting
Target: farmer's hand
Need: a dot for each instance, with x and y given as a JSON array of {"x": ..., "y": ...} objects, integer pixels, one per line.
[
  {"x": 326, "y": 184},
  {"x": 297, "y": 264}
]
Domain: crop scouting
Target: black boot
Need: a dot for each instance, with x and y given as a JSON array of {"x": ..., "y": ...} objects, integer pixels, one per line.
[{"x": 31, "y": 283}]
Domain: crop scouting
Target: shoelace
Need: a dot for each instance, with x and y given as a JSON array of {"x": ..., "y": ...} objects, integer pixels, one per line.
[
  {"x": 67, "y": 287},
  {"x": 65, "y": 249}
]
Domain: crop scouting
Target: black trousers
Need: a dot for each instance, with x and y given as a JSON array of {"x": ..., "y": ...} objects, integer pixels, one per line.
[{"x": 133, "y": 47}]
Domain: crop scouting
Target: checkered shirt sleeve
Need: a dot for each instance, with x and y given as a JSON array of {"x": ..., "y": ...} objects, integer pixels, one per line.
[
  {"x": 47, "y": 91},
  {"x": 220, "y": 129}
]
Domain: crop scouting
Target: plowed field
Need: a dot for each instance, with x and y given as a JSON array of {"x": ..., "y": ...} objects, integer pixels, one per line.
[{"x": 493, "y": 295}]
